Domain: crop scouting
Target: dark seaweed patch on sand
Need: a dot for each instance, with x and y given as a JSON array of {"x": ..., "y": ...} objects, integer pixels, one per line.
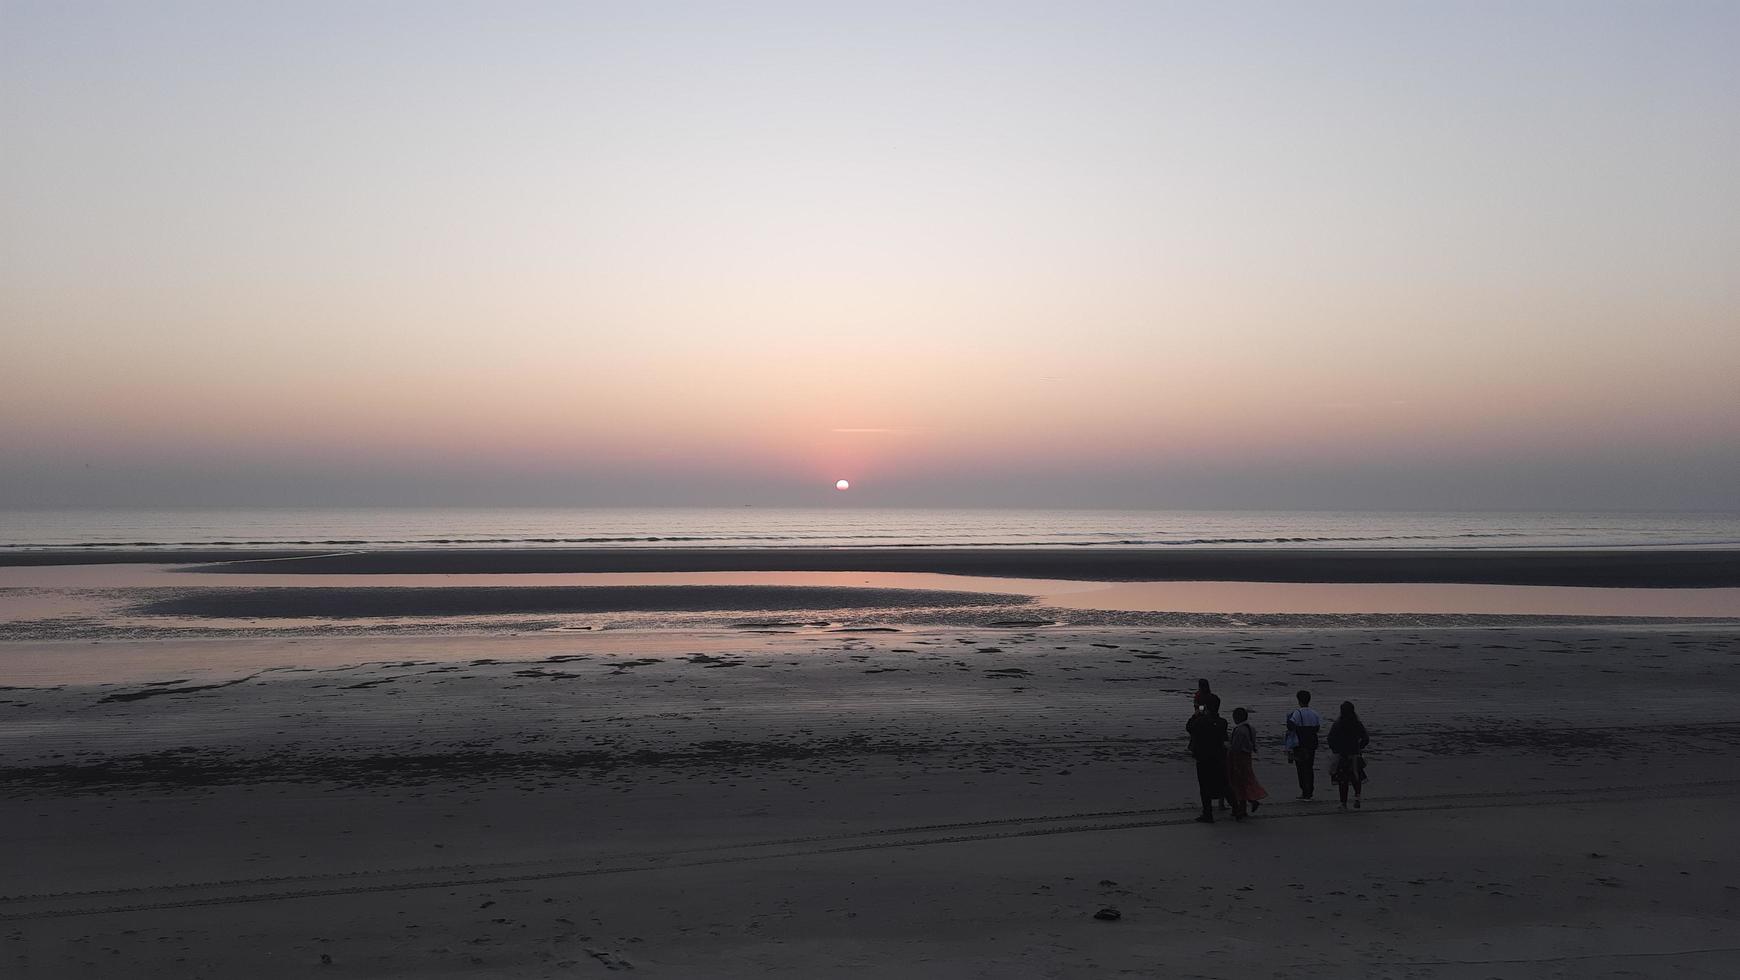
[
  {"x": 158, "y": 689},
  {"x": 208, "y": 767}
]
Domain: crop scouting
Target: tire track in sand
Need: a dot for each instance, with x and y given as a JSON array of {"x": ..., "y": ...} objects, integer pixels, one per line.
[{"x": 338, "y": 884}]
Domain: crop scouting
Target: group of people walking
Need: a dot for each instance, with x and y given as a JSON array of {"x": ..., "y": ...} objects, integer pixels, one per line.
[{"x": 1226, "y": 758}]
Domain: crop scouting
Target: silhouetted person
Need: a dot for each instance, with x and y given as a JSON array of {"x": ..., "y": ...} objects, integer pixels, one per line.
[
  {"x": 1208, "y": 747},
  {"x": 1347, "y": 739},
  {"x": 1241, "y": 773},
  {"x": 1199, "y": 699},
  {"x": 1202, "y": 693},
  {"x": 1302, "y": 727}
]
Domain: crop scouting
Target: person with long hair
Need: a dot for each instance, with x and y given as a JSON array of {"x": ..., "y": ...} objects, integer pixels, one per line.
[
  {"x": 1347, "y": 742},
  {"x": 1202, "y": 693},
  {"x": 1241, "y": 773},
  {"x": 1208, "y": 747},
  {"x": 1197, "y": 702}
]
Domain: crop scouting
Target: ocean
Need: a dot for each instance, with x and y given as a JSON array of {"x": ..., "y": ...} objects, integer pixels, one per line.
[{"x": 851, "y": 527}]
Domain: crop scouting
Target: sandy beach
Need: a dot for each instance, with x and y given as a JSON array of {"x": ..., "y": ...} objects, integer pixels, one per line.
[
  {"x": 1549, "y": 798},
  {"x": 752, "y": 490}
]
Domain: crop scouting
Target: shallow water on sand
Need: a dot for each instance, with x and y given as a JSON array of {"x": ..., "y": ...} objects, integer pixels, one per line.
[{"x": 135, "y": 599}]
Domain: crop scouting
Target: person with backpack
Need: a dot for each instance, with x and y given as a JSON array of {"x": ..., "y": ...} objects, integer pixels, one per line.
[{"x": 1303, "y": 725}]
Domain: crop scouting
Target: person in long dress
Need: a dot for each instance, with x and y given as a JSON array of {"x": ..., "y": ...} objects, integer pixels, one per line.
[
  {"x": 1208, "y": 747},
  {"x": 1197, "y": 700},
  {"x": 1241, "y": 774}
]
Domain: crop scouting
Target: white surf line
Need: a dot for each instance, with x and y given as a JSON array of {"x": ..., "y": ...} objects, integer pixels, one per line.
[{"x": 656, "y": 861}]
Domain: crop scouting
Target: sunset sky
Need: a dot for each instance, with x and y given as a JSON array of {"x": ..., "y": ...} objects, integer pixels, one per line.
[{"x": 1389, "y": 255}]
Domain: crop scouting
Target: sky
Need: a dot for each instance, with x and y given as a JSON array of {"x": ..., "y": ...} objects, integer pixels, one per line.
[{"x": 1381, "y": 255}]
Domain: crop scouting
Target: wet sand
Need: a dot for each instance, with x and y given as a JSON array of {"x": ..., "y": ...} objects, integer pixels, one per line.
[
  {"x": 1546, "y": 801},
  {"x": 460, "y": 601},
  {"x": 1627, "y": 568}
]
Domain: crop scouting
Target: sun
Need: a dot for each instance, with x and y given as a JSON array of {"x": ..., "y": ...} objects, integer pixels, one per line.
[{"x": 842, "y": 484}]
